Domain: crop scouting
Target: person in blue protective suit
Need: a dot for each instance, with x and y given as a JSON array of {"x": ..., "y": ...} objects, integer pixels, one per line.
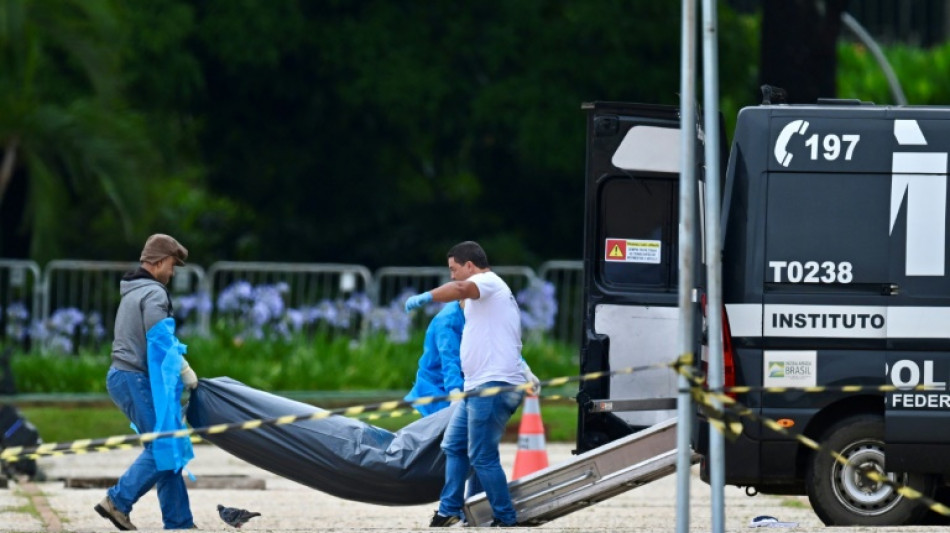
[
  {"x": 440, "y": 369},
  {"x": 145, "y": 380},
  {"x": 490, "y": 355}
]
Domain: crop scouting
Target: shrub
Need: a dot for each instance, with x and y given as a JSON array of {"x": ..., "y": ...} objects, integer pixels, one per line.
[{"x": 342, "y": 344}]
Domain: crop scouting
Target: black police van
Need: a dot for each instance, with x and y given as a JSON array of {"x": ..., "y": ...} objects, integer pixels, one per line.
[{"x": 834, "y": 262}]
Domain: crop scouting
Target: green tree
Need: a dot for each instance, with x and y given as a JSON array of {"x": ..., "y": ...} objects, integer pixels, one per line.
[
  {"x": 65, "y": 131},
  {"x": 921, "y": 72},
  {"x": 377, "y": 132},
  {"x": 382, "y": 131}
]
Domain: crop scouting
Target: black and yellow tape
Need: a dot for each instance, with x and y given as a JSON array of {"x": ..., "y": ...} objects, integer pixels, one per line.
[
  {"x": 196, "y": 439},
  {"x": 722, "y": 412},
  {"x": 15, "y": 453}
]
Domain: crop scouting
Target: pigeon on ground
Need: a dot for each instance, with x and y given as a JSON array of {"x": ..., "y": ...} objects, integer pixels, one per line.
[{"x": 234, "y": 516}]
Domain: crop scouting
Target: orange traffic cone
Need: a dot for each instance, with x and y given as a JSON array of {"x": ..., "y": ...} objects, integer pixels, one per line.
[{"x": 531, "y": 456}]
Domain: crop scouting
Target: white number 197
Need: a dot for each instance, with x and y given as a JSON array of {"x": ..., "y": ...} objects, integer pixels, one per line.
[{"x": 832, "y": 146}]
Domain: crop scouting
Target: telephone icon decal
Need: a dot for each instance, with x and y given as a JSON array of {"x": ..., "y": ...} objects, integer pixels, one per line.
[{"x": 781, "y": 153}]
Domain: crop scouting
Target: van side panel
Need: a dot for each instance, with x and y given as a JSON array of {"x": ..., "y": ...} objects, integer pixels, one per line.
[{"x": 834, "y": 234}]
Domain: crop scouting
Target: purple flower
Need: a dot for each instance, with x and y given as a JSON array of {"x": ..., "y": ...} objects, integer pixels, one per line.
[
  {"x": 260, "y": 314},
  {"x": 60, "y": 343},
  {"x": 67, "y": 329},
  {"x": 392, "y": 320},
  {"x": 18, "y": 320},
  {"x": 235, "y": 297},
  {"x": 38, "y": 330},
  {"x": 65, "y": 321},
  {"x": 538, "y": 305},
  {"x": 188, "y": 304},
  {"x": 270, "y": 297},
  {"x": 295, "y": 320},
  {"x": 93, "y": 327},
  {"x": 359, "y": 303}
]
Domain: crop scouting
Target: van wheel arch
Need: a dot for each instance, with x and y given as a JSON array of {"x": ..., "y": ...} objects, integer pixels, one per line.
[{"x": 828, "y": 417}]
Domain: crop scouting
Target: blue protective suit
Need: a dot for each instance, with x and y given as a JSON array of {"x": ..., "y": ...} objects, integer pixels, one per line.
[
  {"x": 165, "y": 358},
  {"x": 440, "y": 367}
]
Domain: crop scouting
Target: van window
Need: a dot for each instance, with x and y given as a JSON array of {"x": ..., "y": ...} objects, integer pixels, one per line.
[
  {"x": 639, "y": 209},
  {"x": 827, "y": 229}
]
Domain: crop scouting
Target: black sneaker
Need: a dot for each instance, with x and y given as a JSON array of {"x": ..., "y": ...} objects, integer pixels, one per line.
[
  {"x": 442, "y": 521},
  {"x": 498, "y": 523}
]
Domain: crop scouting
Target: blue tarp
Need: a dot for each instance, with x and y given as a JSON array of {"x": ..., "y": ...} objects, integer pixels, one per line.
[{"x": 165, "y": 359}]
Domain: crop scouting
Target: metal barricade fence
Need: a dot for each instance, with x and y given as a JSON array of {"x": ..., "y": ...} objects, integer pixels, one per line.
[
  {"x": 316, "y": 291},
  {"x": 568, "y": 280},
  {"x": 84, "y": 294},
  {"x": 394, "y": 282},
  {"x": 518, "y": 278},
  {"x": 92, "y": 289},
  {"x": 20, "y": 298}
]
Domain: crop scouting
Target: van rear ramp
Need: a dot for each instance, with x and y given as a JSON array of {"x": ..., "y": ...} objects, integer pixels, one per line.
[{"x": 589, "y": 478}]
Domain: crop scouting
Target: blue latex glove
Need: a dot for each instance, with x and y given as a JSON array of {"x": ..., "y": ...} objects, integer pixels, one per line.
[{"x": 417, "y": 301}]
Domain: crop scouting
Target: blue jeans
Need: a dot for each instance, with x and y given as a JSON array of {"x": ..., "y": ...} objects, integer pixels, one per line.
[
  {"x": 471, "y": 442},
  {"x": 131, "y": 392}
]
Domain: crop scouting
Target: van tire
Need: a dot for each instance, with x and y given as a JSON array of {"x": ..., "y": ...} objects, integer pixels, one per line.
[{"x": 841, "y": 497}]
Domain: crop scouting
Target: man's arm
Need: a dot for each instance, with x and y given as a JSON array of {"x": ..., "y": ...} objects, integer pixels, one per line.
[
  {"x": 450, "y": 292},
  {"x": 154, "y": 307},
  {"x": 455, "y": 290}
]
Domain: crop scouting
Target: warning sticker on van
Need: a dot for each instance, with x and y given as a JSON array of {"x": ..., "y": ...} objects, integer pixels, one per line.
[
  {"x": 633, "y": 251},
  {"x": 789, "y": 368}
]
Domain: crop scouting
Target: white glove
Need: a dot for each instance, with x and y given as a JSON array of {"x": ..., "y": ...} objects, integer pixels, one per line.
[
  {"x": 188, "y": 377},
  {"x": 532, "y": 379},
  {"x": 455, "y": 391}
]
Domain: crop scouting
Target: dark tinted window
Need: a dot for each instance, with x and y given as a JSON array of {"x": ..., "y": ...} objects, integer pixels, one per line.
[
  {"x": 834, "y": 229},
  {"x": 642, "y": 210}
]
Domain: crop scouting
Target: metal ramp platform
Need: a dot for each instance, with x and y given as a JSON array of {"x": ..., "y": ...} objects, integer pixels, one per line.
[{"x": 589, "y": 478}]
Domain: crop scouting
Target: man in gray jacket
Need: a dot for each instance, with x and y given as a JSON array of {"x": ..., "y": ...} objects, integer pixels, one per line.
[{"x": 145, "y": 302}]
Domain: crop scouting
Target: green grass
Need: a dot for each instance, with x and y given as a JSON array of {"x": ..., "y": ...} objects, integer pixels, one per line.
[
  {"x": 559, "y": 419},
  {"x": 69, "y": 423},
  {"x": 794, "y": 503},
  {"x": 29, "y": 509},
  {"x": 62, "y": 424}
]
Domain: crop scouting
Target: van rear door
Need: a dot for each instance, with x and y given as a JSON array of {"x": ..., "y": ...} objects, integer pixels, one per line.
[{"x": 630, "y": 268}]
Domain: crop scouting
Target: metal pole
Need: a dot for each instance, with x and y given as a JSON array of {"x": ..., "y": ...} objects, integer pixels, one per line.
[
  {"x": 895, "y": 85},
  {"x": 713, "y": 258},
  {"x": 686, "y": 232}
]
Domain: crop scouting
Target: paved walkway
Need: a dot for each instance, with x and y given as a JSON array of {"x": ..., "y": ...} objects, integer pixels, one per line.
[{"x": 288, "y": 506}]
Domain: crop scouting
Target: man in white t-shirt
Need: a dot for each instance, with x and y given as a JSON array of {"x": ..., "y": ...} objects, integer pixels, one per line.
[{"x": 491, "y": 357}]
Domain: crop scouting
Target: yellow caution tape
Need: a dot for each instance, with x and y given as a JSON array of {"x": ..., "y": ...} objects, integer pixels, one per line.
[
  {"x": 708, "y": 400},
  {"x": 13, "y": 453}
]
